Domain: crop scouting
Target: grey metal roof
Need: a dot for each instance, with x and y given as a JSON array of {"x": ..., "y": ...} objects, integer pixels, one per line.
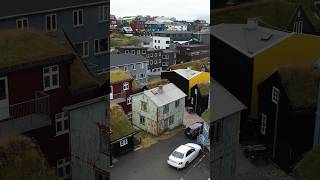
[
  {"x": 169, "y": 51},
  {"x": 248, "y": 41},
  {"x": 121, "y": 59},
  {"x": 170, "y": 93},
  {"x": 187, "y": 73},
  {"x": 132, "y": 47},
  {"x": 224, "y": 103},
  {"x": 24, "y": 7},
  {"x": 145, "y": 39},
  {"x": 174, "y": 32}
]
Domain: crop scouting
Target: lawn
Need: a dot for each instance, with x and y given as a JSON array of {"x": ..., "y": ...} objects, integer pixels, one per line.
[{"x": 118, "y": 40}]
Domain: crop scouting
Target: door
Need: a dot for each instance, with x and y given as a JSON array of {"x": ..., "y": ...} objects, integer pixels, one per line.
[
  {"x": 4, "y": 98},
  {"x": 193, "y": 154}
]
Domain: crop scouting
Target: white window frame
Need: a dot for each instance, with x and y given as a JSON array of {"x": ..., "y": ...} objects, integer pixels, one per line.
[
  {"x": 125, "y": 68},
  {"x": 143, "y": 76},
  {"x": 133, "y": 52},
  {"x": 159, "y": 61},
  {"x": 147, "y": 55},
  {"x": 78, "y": 19},
  {"x": 126, "y": 51},
  {"x": 111, "y": 92},
  {"x": 263, "y": 124},
  {"x": 164, "y": 63},
  {"x": 138, "y": 52},
  {"x": 155, "y": 61},
  {"x": 155, "y": 54},
  {"x": 298, "y": 27},
  {"x": 144, "y": 51},
  {"x": 50, "y": 74},
  {"x": 151, "y": 54},
  {"x": 102, "y": 10},
  {"x": 64, "y": 117},
  {"x": 151, "y": 62},
  {"x": 22, "y": 20},
  {"x": 123, "y": 142},
  {"x": 275, "y": 96},
  {"x": 99, "y": 51},
  {"x": 129, "y": 115},
  {"x": 125, "y": 86},
  {"x": 144, "y": 120},
  {"x": 129, "y": 100},
  {"x": 51, "y": 24},
  {"x": 63, "y": 163},
  {"x": 142, "y": 65},
  {"x": 133, "y": 66}
]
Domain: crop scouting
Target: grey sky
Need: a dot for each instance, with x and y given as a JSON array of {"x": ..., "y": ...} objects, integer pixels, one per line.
[{"x": 180, "y": 9}]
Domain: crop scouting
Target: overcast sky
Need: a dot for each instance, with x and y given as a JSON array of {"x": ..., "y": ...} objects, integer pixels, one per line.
[{"x": 180, "y": 9}]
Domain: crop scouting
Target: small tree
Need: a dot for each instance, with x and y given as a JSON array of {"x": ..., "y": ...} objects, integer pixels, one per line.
[{"x": 21, "y": 159}]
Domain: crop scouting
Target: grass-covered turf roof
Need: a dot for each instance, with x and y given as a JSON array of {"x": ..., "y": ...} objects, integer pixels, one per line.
[
  {"x": 156, "y": 83},
  {"x": 301, "y": 85},
  {"x": 206, "y": 116},
  {"x": 203, "y": 87},
  {"x": 20, "y": 47},
  {"x": 194, "y": 65},
  {"x": 308, "y": 167},
  {"x": 120, "y": 126},
  {"x": 119, "y": 76},
  {"x": 118, "y": 40},
  {"x": 275, "y": 13}
]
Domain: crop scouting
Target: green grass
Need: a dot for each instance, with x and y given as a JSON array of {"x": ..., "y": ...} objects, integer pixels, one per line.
[
  {"x": 118, "y": 76},
  {"x": 308, "y": 167},
  {"x": 118, "y": 40},
  {"x": 156, "y": 83},
  {"x": 20, "y": 47},
  {"x": 206, "y": 116},
  {"x": 194, "y": 65},
  {"x": 119, "y": 123},
  {"x": 135, "y": 85}
]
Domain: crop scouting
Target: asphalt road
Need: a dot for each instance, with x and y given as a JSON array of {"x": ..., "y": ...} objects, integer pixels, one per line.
[{"x": 151, "y": 164}]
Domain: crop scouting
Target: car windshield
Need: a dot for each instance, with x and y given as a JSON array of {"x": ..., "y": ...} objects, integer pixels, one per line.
[{"x": 177, "y": 154}]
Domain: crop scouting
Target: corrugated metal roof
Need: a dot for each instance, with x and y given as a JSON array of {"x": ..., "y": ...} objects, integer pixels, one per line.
[
  {"x": 170, "y": 93},
  {"x": 187, "y": 73}
]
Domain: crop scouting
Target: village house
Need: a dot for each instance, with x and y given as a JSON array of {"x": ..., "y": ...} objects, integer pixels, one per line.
[
  {"x": 174, "y": 35},
  {"x": 153, "y": 26},
  {"x": 246, "y": 54},
  {"x": 158, "y": 109},
  {"x": 50, "y": 78},
  {"x": 224, "y": 133},
  {"x": 122, "y": 86},
  {"x": 198, "y": 65},
  {"x": 192, "y": 52},
  {"x": 185, "y": 79},
  {"x": 287, "y": 113},
  {"x": 85, "y": 22},
  {"x": 199, "y": 97}
]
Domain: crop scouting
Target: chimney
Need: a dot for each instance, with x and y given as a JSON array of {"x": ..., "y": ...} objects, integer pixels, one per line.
[
  {"x": 252, "y": 23},
  {"x": 160, "y": 89}
]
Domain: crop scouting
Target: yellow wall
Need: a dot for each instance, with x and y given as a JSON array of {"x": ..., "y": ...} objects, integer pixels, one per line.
[
  {"x": 203, "y": 76},
  {"x": 296, "y": 49}
]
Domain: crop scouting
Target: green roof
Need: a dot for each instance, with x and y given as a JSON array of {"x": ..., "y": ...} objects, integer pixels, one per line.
[
  {"x": 21, "y": 47},
  {"x": 308, "y": 167},
  {"x": 156, "y": 83},
  {"x": 119, "y": 76},
  {"x": 301, "y": 84},
  {"x": 136, "y": 86},
  {"x": 274, "y": 13},
  {"x": 120, "y": 126},
  {"x": 203, "y": 87},
  {"x": 118, "y": 40},
  {"x": 194, "y": 65},
  {"x": 206, "y": 116}
]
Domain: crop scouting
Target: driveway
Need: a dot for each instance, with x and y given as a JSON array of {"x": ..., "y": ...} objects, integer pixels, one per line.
[
  {"x": 150, "y": 163},
  {"x": 190, "y": 118}
]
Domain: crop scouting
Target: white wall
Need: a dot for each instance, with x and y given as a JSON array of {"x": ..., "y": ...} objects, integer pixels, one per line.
[{"x": 160, "y": 42}]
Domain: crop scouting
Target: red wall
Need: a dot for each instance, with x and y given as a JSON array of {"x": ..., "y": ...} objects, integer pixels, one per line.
[{"x": 117, "y": 88}]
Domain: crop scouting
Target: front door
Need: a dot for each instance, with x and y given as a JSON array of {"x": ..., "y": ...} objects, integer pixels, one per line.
[{"x": 4, "y": 98}]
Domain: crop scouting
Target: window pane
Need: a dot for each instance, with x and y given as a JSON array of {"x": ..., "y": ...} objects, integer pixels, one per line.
[
  {"x": 75, "y": 18},
  {"x": 103, "y": 45},
  {"x": 60, "y": 172},
  {"x": 48, "y": 23},
  {"x": 54, "y": 23},
  {"x": 54, "y": 80},
  {"x": 96, "y": 46},
  {"x": 46, "y": 81},
  {"x": 66, "y": 124},
  {"x": 54, "y": 68},
  {"x": 25, "y": 23},
  {"x": 68, "y": 169},
  {"x": 2, "y": 89},
  {"x": 80, "y": 17},
  {"x": 19, "y": 24},
  {"x": 59, "y": 126}
]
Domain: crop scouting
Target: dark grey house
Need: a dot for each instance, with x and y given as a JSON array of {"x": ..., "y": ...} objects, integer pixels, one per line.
[
  {"x": 135, "y": 64},
  {"x": 85, "y": 22},
  {"x": 158, "y": 59},
  {"x": 175, "y": 35}
]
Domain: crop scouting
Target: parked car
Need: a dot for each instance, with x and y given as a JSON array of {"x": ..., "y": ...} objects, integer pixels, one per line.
[
  {"x": 194, "y": 130},
  {"x": 184, "y": 155}
]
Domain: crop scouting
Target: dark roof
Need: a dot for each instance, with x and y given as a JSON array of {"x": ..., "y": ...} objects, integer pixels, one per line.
[
  {"x": 301, "y": 85},
  {"x": 173, "y": 32},
  {"x": 193, "y": 45},
  {"x": 224, "y": 103},
  {"x": 132, "y": 47},
  {"x": 17, "y": 7},
  {"x": 121, "y": 59}
]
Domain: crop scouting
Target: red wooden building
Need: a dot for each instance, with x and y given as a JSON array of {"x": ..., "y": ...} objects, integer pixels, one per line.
[
  {"x": 137, "y": 25},
  {"x": 192, "y": 52},
  {"x": 40, "y": 74}
]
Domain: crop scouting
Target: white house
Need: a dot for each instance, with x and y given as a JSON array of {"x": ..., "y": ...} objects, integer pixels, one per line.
[{"x": 160, "y": 42}]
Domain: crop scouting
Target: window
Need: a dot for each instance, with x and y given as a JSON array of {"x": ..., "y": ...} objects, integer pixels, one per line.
[
  {"x": 177, "y": 103},
  {"x": 263, "y": 124},
  {"x": 216, "y": 133},
  {"x": 100, "y": 45},
  {"x": 111, "y": 92},
  {"x": 155, "y": 54},
  {"x": 166, "y": 109},
  {"x": 62, "y": 123},
  {"x": 125, "y": 86},
  {"x": 78, "y": 18},
  {"x": 147, "y": 55},
  {"x": 126, "y": 51},
  {"x": 192, "y": 99},
  {"x": 151, "y": 55},
  {"x": 159, "y": 60},
  {"x": 142, "y": 65},
  {"x": 142, "y": 76},
  {"x": 50, "y": 77},
  {"x": 151, "y": 62},
  {"x": 155, "y": 41},
  {"x": 133, "y": 52},
  {"x": 102, "y": 175},
  {"x": 63, "y": 168},
  {"x": 167, "y": 42},
  {"x": 133, "y": 67},
  {"x": 22, "y": 23},
  {"x": 138, "y": 51},
  {"x": 83, "y": 48},
  {"x": 137, "y": 77},
  {"x": 144, "y": 106},
  {"x": 159, "y": 54},
  {"x": 171, "y": 120},
  {"x": 143, "y": 51},
  {"x": 125, "y": 68},
  {"x": 129, "y": 100},
  {"x": 298, "y": 26},
  {"x": 130, "y": 116},
  {"x": 164, "y": 63},
  {"x": 155, "y": 61},
  {"x": 158, "y": 47},
  {"x": 51, "y": 22},
  {"x": 123, "y": 142},
  {"x": 103, "y": 14},
  {"x": 142, "y": 120},
  {"x": 275, "y": 95}
]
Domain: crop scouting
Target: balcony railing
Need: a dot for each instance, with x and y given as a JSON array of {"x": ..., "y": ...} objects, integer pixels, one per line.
[{"x": 26, "y": 116}]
